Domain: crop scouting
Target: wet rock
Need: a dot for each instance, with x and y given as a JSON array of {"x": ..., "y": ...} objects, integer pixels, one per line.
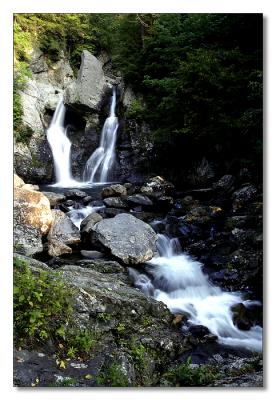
[
  {"x": 157, "y": 186},
  {"x": 242, "y": 196},
  {"x": 114, "y": 191},
  {"x": 93, "y": 254},
  {"x": 104, "y": 266},
  {"x": 115, "y": 202},
  {"x": 203, "y": 215},
  {"x": 241, "y": 317},
  {"x": 75, "y": 194},
  {"x": 88, "y": 222},
  {"x": 54, "y": 198},
  {"x": 127, "y": 238},
  {"x": 69, "y": 203},
  {"x": 86, "y": 200},
  {"x": 146, "y": 216},
  {"x": 242, "y": 221},
  {"x": 202, "y": 194},
  {"x": 198, "y": 331},
  {"x": 225, "y": 184},
  {"x": 110, "y": 212},
  {"x": 32, "y": 208},
  {"x": 130, "y": 188},
  {"x": 139, "y": 199},
  {"x": 184, "y": 205},
  {"x": 62, "y": 234},
  {"x": 164, "y": 203}
]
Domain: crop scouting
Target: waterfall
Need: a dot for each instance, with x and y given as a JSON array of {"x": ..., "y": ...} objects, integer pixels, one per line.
[
  {"x": 178, "y": 281},
  {"x": 61, "y": 147},
  {"x": 100, "y": 163}
]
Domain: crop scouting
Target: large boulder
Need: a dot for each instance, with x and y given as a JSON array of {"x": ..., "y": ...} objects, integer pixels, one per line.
[
  {"x": 128, "y": 238},
  {"x": 114, "y": 191},
  {"x": 91, "y": 84},
  {"x": 115, "y": 202},
  {"x": 54, "y": 198},
  {"x": 32, "y": 208},
  {"x": 17, "y": 181},
  {"x": 27, "y": 239},
  {"x": 62, "y": 234},
  {"x": 243, "y": 196},
  {"x": 157, "y": 186},
  {"x": 128, "y": 329}
]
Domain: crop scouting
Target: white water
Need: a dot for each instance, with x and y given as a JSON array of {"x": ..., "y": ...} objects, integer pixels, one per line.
[
  {"x": 99, "y": 165},
  {"x": 77, "y": 216},
  {"x": 178, "y": 281},
  {"x": 61, "y": 148}
]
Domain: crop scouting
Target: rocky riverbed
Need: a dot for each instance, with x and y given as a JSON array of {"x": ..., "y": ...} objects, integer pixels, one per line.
[{"x": 127, "y": 338}]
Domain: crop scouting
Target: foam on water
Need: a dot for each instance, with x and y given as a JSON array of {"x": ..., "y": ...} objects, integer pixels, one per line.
[{"x": 178, "y": 281}]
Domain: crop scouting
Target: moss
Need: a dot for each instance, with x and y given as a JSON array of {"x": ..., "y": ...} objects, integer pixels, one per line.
[{"x": 113, "y": 377}]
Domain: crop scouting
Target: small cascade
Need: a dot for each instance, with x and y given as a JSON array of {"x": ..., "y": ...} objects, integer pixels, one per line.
[
  {"x": 100, "y": 163},
  {"x": 178, "y": 281},
  {"x": 77, "y": 216},
  {"x": 61, "y": 148}
]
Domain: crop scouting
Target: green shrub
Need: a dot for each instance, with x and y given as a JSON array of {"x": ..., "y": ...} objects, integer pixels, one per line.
[
  {"x": 136, "y": 110},
  {"x": 42, "y": 304},
  {"x": 113, "y": 377},
  {"x": 43, "y": 310},
  {"x": 185, "y": 375}
]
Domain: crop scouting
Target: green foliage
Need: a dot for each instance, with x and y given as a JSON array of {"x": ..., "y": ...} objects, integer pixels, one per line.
[
  {"x": 121, "y": 328},
  {"x": 136, "y": 110},
  {"x": 42, "y": 304},
  {"x": 113, "y": 377},
  {"x": 83, "y": 342},
  {"x": 201, "y": 78},
  {"x": 138, "y": 354},
  {"x": 105, "y": 317},
  {"x": 43, "y": 310},
  {"x": 66, "y": 382},
  {"x": 54, "y": 34},
  {"x": 185, "y": 375},
  {"x": 21, "y": 73}
]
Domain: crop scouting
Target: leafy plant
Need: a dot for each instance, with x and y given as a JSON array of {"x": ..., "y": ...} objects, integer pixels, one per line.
[
  {"x": 186, "y": 375},
  {"x": 42, "y": 303},
  {"x": 113, "y": 377},
  {"x": 43, "y": 310}
]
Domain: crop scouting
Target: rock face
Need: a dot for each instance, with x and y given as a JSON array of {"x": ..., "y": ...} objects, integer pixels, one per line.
[
  {"x": 39, "y": 98},
  {"x": 87, "y": 91},
  {"x": 133, "y": 332},
  {"x": 128, "y": 238},
  {"x": 17, "y": 181},
  {"x": 32, "y": 208},
  {"x": 62, "y": 233},
  {"x": 27, "y": 239}
]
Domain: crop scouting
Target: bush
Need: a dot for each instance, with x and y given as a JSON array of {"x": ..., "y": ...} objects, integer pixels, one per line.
[
  {"x": 42, "y": 304},
  {"x": 43, "y": 310},
  {"x": 113, "y": 377},
  {"x": 185, "y": 375}
]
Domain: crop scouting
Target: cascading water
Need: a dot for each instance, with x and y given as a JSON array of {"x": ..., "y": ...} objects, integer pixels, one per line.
[
  {"x": 100, "y": 163},
  {"x": 61, "y": 147},
  {"x": 178, "y": 281}
]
